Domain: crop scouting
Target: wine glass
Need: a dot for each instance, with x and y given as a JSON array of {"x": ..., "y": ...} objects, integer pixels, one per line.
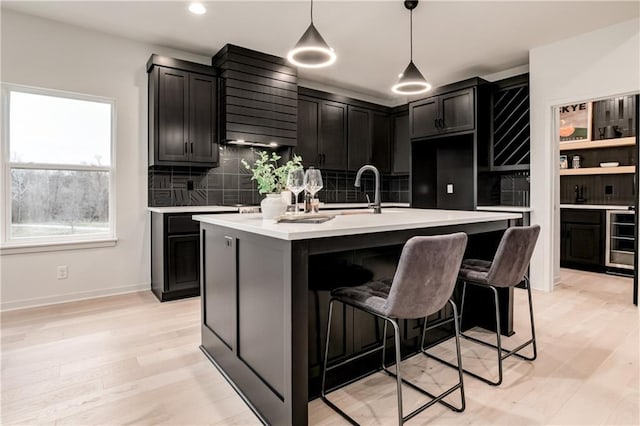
[
  {"x": 295, "y": 183},
  {"x": 313, "y": 182}
]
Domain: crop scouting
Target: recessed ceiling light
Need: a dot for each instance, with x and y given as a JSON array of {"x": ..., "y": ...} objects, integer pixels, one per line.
[{"x": 197, "y": 8}]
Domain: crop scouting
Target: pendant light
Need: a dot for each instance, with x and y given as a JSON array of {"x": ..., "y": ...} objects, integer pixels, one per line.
[
  {"x": 311, "y": 51},
  {"x": 411, "y": 81}
]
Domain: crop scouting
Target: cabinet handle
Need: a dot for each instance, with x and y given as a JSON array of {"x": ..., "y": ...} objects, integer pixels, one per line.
[
  {"x": 186, "y": 150},
  {"x": 191, "y": 147},
  {"x": 319, "y": 160},
  {"x": 435, "y": 123},
  {"x": 324, "y": 158}
]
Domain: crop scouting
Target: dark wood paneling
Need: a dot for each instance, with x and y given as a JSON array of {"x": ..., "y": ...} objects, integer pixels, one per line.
[
  {"x": 261, "y": 307},
  {"x": 258, "y": 82},
  {"x": 305, "y": 91},
  {"x": 219, "y": 283},
  {"x": 268, "y": 114},
  {"x": 618, "y": 112},
  {"x": 263, "y": 122},
  {"x": 424, "y": 170},
  {"x": 259, "y": 88},
  {"x": 236, "y": 96},
  {"x": 455, "y": 164},
  {"x": 167, "y": 62}
]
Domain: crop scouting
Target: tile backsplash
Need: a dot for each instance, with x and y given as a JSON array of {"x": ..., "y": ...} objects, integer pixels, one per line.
[{"x": 231, "y": 184}]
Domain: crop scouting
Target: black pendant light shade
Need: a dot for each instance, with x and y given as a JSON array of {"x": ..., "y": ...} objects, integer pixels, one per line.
[
  {"x": 311, "y": 51},
  {"x": 411, "y": 81}
]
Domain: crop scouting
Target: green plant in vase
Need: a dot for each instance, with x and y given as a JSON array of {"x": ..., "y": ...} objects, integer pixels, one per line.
[{"x": 271, "y": 178}]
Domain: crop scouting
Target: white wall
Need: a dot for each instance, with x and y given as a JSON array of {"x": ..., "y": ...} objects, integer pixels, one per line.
[
  {"x": 594, "y": 65},
  {"x": 44, "y": 53}
]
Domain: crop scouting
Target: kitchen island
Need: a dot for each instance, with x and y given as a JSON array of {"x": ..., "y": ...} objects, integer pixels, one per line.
[{"x": 265, "y": 289}]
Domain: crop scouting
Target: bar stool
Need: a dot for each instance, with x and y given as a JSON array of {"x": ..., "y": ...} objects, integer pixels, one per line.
[
  {"x": 422, "y": 285},
  {"x": 508, "y": 269}
]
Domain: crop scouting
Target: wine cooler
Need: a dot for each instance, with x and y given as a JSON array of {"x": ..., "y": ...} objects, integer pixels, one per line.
[{"x": 621, "y": 235}]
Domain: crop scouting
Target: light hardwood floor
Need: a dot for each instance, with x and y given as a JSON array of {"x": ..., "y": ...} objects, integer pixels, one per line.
[{"x": 129, "y": 359}]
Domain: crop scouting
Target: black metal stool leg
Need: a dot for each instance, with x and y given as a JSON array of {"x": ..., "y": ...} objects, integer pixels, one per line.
[
  {"x": 396, "y": 331},
  {"x": 326, "y": 352}
]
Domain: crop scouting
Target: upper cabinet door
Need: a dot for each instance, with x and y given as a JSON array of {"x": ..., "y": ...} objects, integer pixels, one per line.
[
  {"x": 381, "y": 141},
  {"x": 359, "y": 137},
  {"x": 202, "y": 123},
  {"x": 424, "y": 118},
  {"x": 401, "y": 144},
  {"x": 457, "y": 111},
  {"x": 173, "y": 115},
  {"x": 308, "y": 119},
  {"x": 332, "y": 143}
]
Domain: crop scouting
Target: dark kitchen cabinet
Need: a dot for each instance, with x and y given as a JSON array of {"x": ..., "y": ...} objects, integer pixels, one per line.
[
  {"x": 582, "y": 239},
  {"x": 381, "y": 141},
  {"x": 322, "y": 133},
  {"x": 182, "y": 262},
  {"x": 447, "y": 113},
  {"x": 369, "y": 139},
  {"x": 175, "y": 256},
  {"x": 182, "y": 114},
  {"x": 359, "y": 137},
  {"x": 401, "y": 144},
  {"x": 332, "y": 143}
]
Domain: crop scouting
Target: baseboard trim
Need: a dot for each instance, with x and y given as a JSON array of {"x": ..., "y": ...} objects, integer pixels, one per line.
[{"x": 71, "y": 297}]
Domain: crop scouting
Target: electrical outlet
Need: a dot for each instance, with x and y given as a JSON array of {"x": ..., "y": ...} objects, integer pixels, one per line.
[
  {"x": 63, "y": 272},
  {"x": 449, "y": 188}
]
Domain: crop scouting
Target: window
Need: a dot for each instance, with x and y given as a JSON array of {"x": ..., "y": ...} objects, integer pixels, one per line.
[{"x": 58, "y": 167}]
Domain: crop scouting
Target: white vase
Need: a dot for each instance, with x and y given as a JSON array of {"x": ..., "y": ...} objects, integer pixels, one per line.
[
  {"x": 273, "y": 206},
  {"x": 286, "y": 196}
]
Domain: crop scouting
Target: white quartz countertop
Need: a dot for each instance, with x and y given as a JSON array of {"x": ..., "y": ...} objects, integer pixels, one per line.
[
  {"x": 194, "y": 209},
  {"x": 593, "y": 207},
  {"x": 353, "y": 224},
  {"x": 328, "y": 206},
  {"x": 517, "y": 209}
]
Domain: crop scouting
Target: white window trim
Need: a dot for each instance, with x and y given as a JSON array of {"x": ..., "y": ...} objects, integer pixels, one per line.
[{"x": 52, "y": 243}]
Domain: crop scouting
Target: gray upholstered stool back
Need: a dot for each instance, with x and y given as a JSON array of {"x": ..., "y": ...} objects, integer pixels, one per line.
[
  {"x": 426, "y": 275},
  {"x": 513, "y": 256}
]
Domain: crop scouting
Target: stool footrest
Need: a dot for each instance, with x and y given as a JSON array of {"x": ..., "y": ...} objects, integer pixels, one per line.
[{"x": 348, "y": 360}]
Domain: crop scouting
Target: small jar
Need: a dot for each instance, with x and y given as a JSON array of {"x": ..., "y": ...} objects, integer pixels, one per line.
[
  {"x": 315, "y": 205},
  {"x": 575, "y": 162}
]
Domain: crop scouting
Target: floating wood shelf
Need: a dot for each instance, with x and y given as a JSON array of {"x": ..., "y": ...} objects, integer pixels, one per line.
[
  {"x": 604, "y": 143},
  {"x": 598, "y": 171}
]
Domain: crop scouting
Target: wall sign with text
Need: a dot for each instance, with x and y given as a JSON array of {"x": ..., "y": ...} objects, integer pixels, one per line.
[{"x": 575, "y": 122}]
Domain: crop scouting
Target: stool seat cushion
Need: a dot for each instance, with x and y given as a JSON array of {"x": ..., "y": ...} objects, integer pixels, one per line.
[
  {"x": 371, "y": 296},
  {"x": 475, "y": 270}
]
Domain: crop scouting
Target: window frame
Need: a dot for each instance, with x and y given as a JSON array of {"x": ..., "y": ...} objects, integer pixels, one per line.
[{"x": 10, "y": 245}]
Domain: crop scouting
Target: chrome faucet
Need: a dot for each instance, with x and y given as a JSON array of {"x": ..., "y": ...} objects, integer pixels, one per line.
[{"x": 377, "y": 209}]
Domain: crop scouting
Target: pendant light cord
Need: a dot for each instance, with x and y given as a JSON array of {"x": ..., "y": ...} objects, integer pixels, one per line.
[
  {"x": 312, "y": 11},
  {"x": 410, "y": 34}
]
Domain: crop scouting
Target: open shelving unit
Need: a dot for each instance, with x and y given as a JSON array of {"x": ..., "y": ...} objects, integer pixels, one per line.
[
  {"x": 598, "y": 171},
  {"x": 604, "y": 143}
]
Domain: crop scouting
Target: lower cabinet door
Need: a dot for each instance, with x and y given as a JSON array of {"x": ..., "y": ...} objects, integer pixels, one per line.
[
  {"x": 584, "y": 244},
  {"x": 183, "y": 262}
]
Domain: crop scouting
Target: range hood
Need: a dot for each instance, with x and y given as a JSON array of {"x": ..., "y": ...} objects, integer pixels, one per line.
[{"x": 258, "y": 98}]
